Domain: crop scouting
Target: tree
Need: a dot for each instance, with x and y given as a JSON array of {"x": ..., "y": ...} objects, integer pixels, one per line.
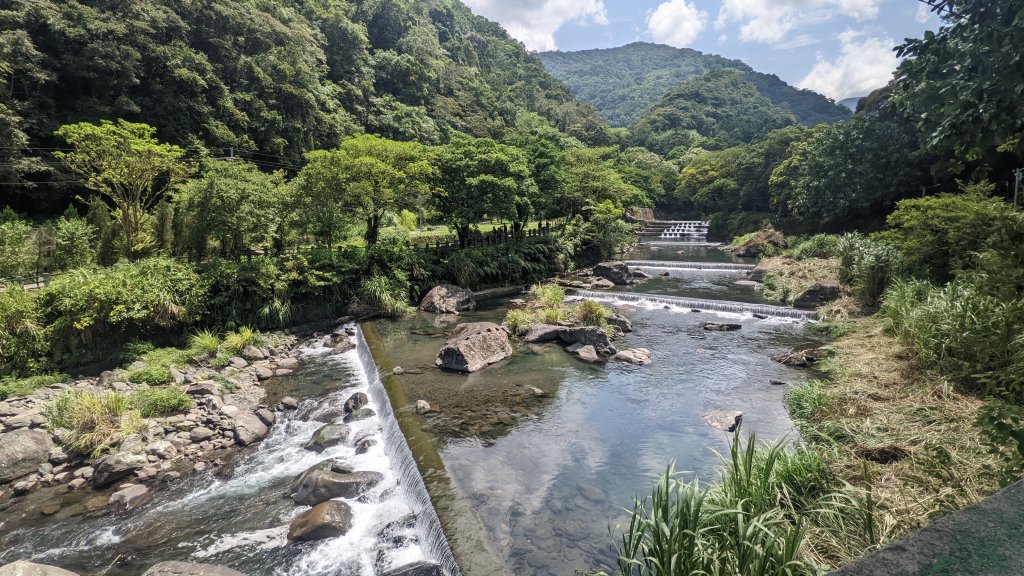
[
  {"x": 652, "y": 174},
  {"x": 591, "y": 178},
  {"x": 477, "y": 178},
  {"x": 75, "y": 242},
  {"x": 383, "y": 176},
  {"x": 964, "y": 83},
  {"x": 232, "y": 202},
  {"x": 318, "y": 196},
  {"x": 124, "y": 162},
  {"x": 842, "y": 175}
]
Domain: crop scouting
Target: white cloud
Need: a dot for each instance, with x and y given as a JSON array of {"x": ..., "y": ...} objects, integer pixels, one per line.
[
  {"x": 924, "y": 13},
  {"x": 676, "y": 23},
  {"x": 864, "y": 64},
  {"x": 534, "y": 22},
  {"x": 771, "y": 21}
]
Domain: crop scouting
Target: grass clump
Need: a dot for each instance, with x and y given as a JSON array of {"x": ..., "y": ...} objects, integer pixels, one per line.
[
  {"x": 151, "y": 374},
  {"x": 547, "y": 296},
  {"x": 868, "y": 266},
  {"x": 237, "y": 340},
  {"x": 519, "y": 321},
  {"x": 786, "y": 278},
  {"x": 590, "y": 313},
  {"x": 817, "y": 246},
  {"x": 386, "y": 295},
  {"x": 204, "y": 343},
  {"x": 10, "y": 387},
  {"x": 95, "y": 422},
  {"x": 159, "y": 401},
  {"x": 765, "y": 515}
]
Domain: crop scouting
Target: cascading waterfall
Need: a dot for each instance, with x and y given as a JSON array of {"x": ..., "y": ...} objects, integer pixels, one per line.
[
  {"x": 432, "y": 538},
  {"x": 703, "y": 305},
  {"x": 670, "y": 265}
]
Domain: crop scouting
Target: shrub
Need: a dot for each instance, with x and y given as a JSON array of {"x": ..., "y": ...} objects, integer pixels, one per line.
[
  {"x": 17, "y": 254},
  {"x": 22, "y": 344},
  {"x": 235, "y": 342},
  {"x": 95, "y": 421},
  {"x": 817, "y": 246},
  {"x": 519, "y": 321},
  {"x": 548, "y": 295},
  {"x": 867, "y": 265},
  {"x": 204, "y": 343},
  {"x": 590, "y": 313},
  {"x": 150, "y": 374},
  {"x": 135, "y": 350},
  {"x": 159, "y": 401},
  {"x": 385, "y": 295},
  {"x": 75, "y": 243}
]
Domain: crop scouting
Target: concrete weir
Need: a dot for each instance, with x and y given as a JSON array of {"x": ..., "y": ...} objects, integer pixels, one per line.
[
  {"x": 670, "y": 265},
  {"x": 704, "y": 305}
]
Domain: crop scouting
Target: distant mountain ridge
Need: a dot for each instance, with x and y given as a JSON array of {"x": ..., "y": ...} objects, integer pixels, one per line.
[{"x": 622, "y": 83}]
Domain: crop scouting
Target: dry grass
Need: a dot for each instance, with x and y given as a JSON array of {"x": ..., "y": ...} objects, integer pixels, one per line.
[
  {"x": 787, "y": 278},
  {"x": 884, "y": 415}
]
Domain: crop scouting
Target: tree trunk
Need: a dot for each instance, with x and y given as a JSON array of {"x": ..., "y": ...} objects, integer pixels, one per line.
[{"x": 372, "y": 229}]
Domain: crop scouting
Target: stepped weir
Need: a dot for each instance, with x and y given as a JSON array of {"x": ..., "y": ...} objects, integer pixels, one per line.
[
  {"x": 675, "y": 230},
  {"x": 670, "y": 265},
  {"x": 698, "y": 304}
]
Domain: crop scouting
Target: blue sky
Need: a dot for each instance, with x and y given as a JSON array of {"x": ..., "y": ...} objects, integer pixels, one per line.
[{"x": 841, "y": 48}]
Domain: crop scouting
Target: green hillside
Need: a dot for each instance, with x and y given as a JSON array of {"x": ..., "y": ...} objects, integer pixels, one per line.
[
  {"x": 621, "y": 83},
  {"x": 273, "y": 77}
]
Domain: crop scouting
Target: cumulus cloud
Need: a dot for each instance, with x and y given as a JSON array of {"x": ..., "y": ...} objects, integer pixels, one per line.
[
  {"x": 771, "y": 21},
  {"x": 534, "y": 22},
  {"x": 676, "y": 23},
  {"x": 864, "y": 64}
]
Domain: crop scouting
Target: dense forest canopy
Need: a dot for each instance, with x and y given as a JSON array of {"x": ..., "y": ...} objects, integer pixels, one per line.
[
  {"x": 269, "y": 79},
  {"x": 621, "y": 83}
]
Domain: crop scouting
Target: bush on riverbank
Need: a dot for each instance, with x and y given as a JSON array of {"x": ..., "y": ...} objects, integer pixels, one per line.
[{"x": 546, "y": 305}]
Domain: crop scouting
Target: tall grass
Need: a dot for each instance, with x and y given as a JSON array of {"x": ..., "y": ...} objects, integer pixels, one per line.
[
  {"x": 159, "y": 401},
  {"x": 204, "y": 343},
  {"x": 868, "y": 266},
  {"x": 236, "y": 341},
  {"x": 95, "y": 421},
  {"x": 548, "y": 295},
  {"x": 817, "y": 246},
  {"x": 385, "y": 295},
  {"x": 518, "y": 321},
  {"x": 772, "y": 511}
]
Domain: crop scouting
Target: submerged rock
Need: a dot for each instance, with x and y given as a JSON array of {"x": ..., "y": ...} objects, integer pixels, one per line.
[
  {"x": 190, "y": 569},
  {"x": 26, "y": 568},
  {"x": 615, "y": 272},
  {"x": 727, "y": 420},
  {"x": 361, "y": 414},
  {"x": 326, "y": 436},
  {"x": 419, "y": 568},
  {"x": 448, "y": 299},
  {"x": 325, "y": 520},
  {"x": 637, "y": 356},
  {"x": 22, "y": 452},
  {"x": 473, "y": 346},
  {"x": 722, "y": 326},
  {"x": 587, "y": 353}
]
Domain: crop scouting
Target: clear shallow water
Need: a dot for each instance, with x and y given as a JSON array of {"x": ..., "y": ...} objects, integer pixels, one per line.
[
  {"x": 239, "y": 515},
  {"x": 549, "y": 482}
]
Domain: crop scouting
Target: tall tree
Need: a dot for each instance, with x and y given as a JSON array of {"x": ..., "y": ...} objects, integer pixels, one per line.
[
  {"x": 478, "y": 178},
  {"x": 124, "y": 162},
  {"x": 383, "y": 176},
  {"x": 318, "y": 196}
]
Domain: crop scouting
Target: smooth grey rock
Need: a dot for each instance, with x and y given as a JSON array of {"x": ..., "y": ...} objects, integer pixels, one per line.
[
  {"x": 361, "y": 414},
  {"x": 129, "y": 497},
  {"x": 587, "y": 353},
  {"x": 727, "y": 420},
  {"x": 616, "y": 272},
  {"x": 114, "y": 467},
  {"x": 448, "y": 299},
  {"x": 200, "y": 434},
  {"x": 249, "y": 428},
  {"x": 204, "y": 388},
  {"x": 237, "y": 362},
  {"x": 542, "y": 333},
  {"x": 162, "y": 449},
  {"x": 364, "y": 445},
  {"x": 355, "y": 402},
  {"x": 341, "y": 342},
  {"x": 474, "y": 346},
  {"x": 621, "y": 322},
  {"x": 26, "y": 568},
  {"x": 252, "y": 353},
  {"x": 176, "y": 375},
  {"x": 637, "y": 356},
  {"x": 325, "y": 520},
  {"x": 320, "y": 485},
  {"x": 172, "y": 568},
  {"x": 22, "y": 452},
  {"x": 266, "y": 416},
  {"x": 588, "y": 336},
  {"x": 263, "y": 373},
  {"x": 602, "y": 284},
  {"x": 289, "y": 403},
  {"x": 328, "y": 435}
]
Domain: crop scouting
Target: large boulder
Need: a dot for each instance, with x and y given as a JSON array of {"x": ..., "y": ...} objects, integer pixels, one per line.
[
  {"x": 21, "y": 453},
  {"x": 325, "y": 520},
  {"x": 419, "y": 568},
  {"x": 765, "y": 242},
  {"x": 614, "y": 272},
  {"x": 448, "y": 299},
  {"x": 26, "y": 568},
  {"x": 329, "y": 480},
  {"x": 637, "y": 356},
  {"x": 355, "y": 402},
  {"x": 117, "y": 466},
  {"x": 473, "y": 346},
  {"x": 542, "y": 333},
  {"x": 249, "y": 428},
  {"x": 819, "y": 294},
  {"x": 588, "y": 336},
  {"x": 621, "y": 322},
  {"x": 326, "y": 436},
  {"x": 725, "y": 420},
  {"x": 189, "y": 569}
]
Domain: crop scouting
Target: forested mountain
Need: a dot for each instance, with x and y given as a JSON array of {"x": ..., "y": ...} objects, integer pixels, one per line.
[
  {"x": 621, "y": 83},
  {"x": 717, "y": 110},
  {"x": 274, "y": 78}
]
